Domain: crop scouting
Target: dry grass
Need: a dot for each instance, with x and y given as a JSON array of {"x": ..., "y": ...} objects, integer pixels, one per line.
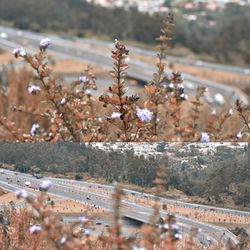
[{"x": 74, "y": 68}]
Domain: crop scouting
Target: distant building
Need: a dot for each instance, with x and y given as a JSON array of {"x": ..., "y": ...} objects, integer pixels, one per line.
[{"x": 148, "y": 6}]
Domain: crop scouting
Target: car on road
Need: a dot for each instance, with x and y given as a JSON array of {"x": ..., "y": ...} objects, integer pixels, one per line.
[
  {"x": 27, "y": 183},
  {"x": 247, "y": 71},
  {"x": 3, "y": 35},
  {"x": 38, "y": 175},
  {"x": 199, "y": 63},
  {"x": 19, "y": 33},
  {"x": 219, "y": 98}
]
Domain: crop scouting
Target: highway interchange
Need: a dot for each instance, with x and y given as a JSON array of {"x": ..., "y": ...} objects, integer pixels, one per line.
[
  {"x": 84, "y": 50},
  {"x": 84, "y": 192}
]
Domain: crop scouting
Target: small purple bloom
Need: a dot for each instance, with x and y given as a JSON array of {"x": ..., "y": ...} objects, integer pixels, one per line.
[
  {"x": 180, "y": 86},
  {"x": 205, "y": 137},
  {"x": 144, "y": 115},
  {"x": 21, "y": 194},
  {"x": 34, "y": 129},
  {"x": 33, "y": 89},
  {"x": 178, "y": 236},
  {"x": 239, "y": 136},
  {"x": 175, "y": 226},
  {"x": 83, "y": 220},
  {"x": 45, "y": 185},
  {"x": 184, "y": 96},
  {"x": 83, "y": 79},
  {"x": 88, "y": 92},
  {"x": 19, "y": 52},
  {"x": 45, "y": 42},
  {"x": 63, "y": 240},
  {"x": 86, "y": 231},
  {"x": 34, "y": 229}
]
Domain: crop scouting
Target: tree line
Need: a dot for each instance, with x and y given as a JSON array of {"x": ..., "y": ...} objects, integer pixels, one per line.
[{"x": 228, "y": 173}]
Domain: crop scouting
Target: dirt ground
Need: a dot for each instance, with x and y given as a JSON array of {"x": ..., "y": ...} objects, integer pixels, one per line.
[
  {"x": 75, "y": 67},
  {"x": 2, "y": 192},
  {"x": 6, "y": 57},
  {"x": 69, "y": 207},
  {"x": 7, "y": 198}
]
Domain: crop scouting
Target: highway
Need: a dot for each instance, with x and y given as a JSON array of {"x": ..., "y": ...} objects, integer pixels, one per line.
[
  {"x": 174, "y": 59},
  {"x": 69, "y": 189},
  {"x": 82, "y": 50}
]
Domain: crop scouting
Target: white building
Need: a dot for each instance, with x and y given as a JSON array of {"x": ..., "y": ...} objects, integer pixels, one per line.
[{"x": 149, "y": 6}]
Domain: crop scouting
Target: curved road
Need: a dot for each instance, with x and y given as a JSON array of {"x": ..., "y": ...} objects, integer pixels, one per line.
[{"x": 81, "y": 191}]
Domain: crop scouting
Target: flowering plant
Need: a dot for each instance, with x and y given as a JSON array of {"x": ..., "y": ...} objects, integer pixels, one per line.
[{"x": 163, "y": 113}]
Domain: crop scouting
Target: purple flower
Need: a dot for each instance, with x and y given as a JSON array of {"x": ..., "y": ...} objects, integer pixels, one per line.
[
  {"x": 45, "y": 185},
  {"x": 83, "y": 79},
  {"x": 33, "y": 89},
  {"x": 21, "y": 194},
  {"x": 175, "y": 226},
  {"x": 34, "y": 229},
  {"x": 205, "y": 137},
  {"x": 45, "y": 42},
  {"x": 86, "y": 231},
  {"x": 88, "y": 92},
  {"x": 239, "y": 135},
  {"x": 63, "y": 240},
  {"x": 144, "y": 115},
  {"x": 178, "y": 236},
  {"x": 184, "y": 97},
  {"x": 19, "y": 52},
  {"x": 34, "y": 128},
  {"x": 115, "y": 115},
  {"x": 180, "y": 86},
  {"x": 83, "y": 220}
]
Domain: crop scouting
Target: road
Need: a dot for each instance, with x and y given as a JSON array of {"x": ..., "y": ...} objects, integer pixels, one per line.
[
  {"x": 74, "y": 190},
  {"x": 174, "y": 59},
  {"x": 82, "y": 50}
]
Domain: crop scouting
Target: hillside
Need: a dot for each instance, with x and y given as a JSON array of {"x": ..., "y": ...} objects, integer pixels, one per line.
[{"x": 219, "y": 173}]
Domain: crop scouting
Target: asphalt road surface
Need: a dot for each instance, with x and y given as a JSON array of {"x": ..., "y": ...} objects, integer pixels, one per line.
[{"x": 68, "y": 189}]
